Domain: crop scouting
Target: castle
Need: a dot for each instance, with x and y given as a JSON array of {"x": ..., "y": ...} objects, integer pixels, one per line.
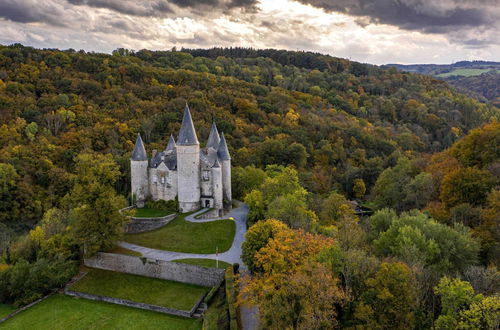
[{"x": 198, "y": 177}]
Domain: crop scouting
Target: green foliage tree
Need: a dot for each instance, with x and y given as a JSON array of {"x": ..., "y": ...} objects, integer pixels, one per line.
[
  {"x": 94, "y": 204},
  {"x": 389, "y": 301},
  {"x": 418, "y": 239}
]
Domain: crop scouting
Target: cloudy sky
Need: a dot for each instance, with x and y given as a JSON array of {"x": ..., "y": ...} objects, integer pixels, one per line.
[{"x": 373, "y": 31}]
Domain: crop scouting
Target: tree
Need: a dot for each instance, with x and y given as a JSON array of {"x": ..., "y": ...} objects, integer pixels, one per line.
[
  {"x": 359, "y": 188},
  {"x": 333, "y": 208},
  {"x": 246, "y": 179},
  {"x": 256, "y": 238},
  {"x": 389, "y": 301},
  {"x": 9, "y": 205},
  {"x": 466, "y": 185},
  {"x": 306, "y": 298},
  {"x": 461, "y": 308},
  {"x": 419, "y": 240},
  {"x": 292, "y": 210},
  {"x": 94, "y": 205}
]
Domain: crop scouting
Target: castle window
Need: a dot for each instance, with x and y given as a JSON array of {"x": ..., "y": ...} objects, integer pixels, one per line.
[
  {"x": 155, "y": 179},
  {"x": 162, "y": 180},
  {"x": 206, "y": 175}
]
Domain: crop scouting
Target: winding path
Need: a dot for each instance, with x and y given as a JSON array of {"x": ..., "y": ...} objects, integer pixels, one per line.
[{"x": 233, "y": 255}]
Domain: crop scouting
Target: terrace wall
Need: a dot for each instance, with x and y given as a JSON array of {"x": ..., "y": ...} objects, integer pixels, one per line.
[{"x": 166, "y": 270}]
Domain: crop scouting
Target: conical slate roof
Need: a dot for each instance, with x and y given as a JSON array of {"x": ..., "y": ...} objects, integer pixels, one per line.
[
  {"x": 222, "y": 151},
  {"x": 171, "y": 143},
  {"x": 139, "y": 152},
  {"x": 187, "y": 134},
  {"x": 214, "y": 138}
]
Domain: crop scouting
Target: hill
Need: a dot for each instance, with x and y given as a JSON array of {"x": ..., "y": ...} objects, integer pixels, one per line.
[
  {"x": 478, "y": 79},
  {"x": 334, "y": 119}
]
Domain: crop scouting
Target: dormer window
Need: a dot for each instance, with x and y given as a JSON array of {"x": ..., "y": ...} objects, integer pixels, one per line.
[
  {"x": 162, "y": 180},
  {"x": 206, "y": 175}
]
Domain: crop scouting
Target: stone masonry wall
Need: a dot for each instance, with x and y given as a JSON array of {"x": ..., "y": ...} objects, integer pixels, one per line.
[
  {"x": 139, "y": 225},
  {"x": 129, "y": 303},
  {"x": 166, "y": 270}
]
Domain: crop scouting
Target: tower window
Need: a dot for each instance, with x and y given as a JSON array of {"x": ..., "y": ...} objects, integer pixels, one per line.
[
  {"x": 206, "y": 175},
  {"x": 162, "y": 180}
]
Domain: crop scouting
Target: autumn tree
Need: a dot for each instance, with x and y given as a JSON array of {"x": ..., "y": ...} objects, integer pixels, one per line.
[{"x": 389, "y": 301}]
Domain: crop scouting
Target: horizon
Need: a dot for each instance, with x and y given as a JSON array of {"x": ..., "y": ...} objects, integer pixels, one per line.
[
  {"x": 296, "y": 50},
  {"x": 375, "y": 32}
]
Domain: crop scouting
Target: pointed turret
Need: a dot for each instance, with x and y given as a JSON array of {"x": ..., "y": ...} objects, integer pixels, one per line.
[
  {"x": 139, "y": 152},
  {"x": 222, "y": 150},
  {"x": 187, "y": 134},
  {"x": 214, "y": 138},
  {"x": 171, "y": 143}
]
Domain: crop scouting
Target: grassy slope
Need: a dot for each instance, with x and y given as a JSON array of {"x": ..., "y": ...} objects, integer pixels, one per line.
[
  {"x": 464, "y": 73},
  {"x": 63, "y": 312},
  {"x": 204, "y": 262},
  {"x": 140, "y": 289},
  {"x": 183, "y": 236},
  {"x": 150, "y": 213},
  {"x": 5, "y": 310}
]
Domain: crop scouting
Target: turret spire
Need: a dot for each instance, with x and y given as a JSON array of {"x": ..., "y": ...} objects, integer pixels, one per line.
[
  {"x": 139, "y": 152},
  {"x": 171, "y": 143},
  {"x": 214, "y": 138},
  {"x": 187, "y": 134},
  {"x": 222, "y": 151}
]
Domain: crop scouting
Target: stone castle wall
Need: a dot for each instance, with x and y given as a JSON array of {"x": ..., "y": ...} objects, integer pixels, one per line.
[
  {"x": 139, "y": 225},
  {"x": 188, "y": 177},
  {"x": 166, "y": 270}
]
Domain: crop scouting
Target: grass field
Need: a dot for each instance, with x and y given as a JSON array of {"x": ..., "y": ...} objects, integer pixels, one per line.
[
  {"x": 140, "y": 289},
  {"x": 184, "y": 236},
  {"x": 60, "y": 312},
  {"x": 150, "y": 213},
  {"x": 5, "y": 310},
  {"x": 204, "y": 262},
  {"x": 464, "y": 72}
]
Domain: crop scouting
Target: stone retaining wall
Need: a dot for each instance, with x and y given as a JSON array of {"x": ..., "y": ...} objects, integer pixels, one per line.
[
  {"x": 139, "y": 225},
  {"x": 166, "y": 270},
  {"x": 134, "y": 304}
]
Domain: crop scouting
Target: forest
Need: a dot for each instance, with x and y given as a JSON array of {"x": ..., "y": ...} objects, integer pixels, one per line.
[{"x": 309, "y": 135}]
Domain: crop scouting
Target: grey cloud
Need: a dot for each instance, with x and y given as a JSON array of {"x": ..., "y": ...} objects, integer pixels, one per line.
[
  {"x": 29, "y": 11},
  {"x": 431, "y": 16},
  {"x": 134, "y": 8},
  {"x": 161, "y": 7}
]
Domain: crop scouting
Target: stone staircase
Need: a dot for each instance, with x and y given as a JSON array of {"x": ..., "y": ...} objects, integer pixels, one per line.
[{"x": 198, "y": 313}]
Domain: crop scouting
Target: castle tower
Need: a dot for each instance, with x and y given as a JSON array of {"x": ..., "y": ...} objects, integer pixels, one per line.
[
  {"x": 171, "y": 144},
  {"x": 223, "y": 154},
  {"x": 214, "y": 138},
  {"x": 217, "y": 185},
  {"x": 139, "y": 172},
  {"x": 188, "y": 165}
]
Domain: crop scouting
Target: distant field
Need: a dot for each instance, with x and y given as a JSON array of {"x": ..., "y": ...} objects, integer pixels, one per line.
[
  {"x": 204, "y": 262},
  {"x": 184, "y": 236},
  {"x": 67, "y": 313},
  {"x": 5, "y": 310},
  {"x": 140, "y": 289},
  {"x": 464, "y": 72}
]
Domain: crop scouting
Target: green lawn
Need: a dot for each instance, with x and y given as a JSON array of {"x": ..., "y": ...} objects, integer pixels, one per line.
[
  {"x": 204, "y": 262},
  {"x": 6, "y": 310},
  {"x": 184, "y": 236},
  {"x": 140, "y": 289},
  {"x": 68, "y": 313},
  {"x": 464, "y": 72},
  {"x": 150, "y": 213}
]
